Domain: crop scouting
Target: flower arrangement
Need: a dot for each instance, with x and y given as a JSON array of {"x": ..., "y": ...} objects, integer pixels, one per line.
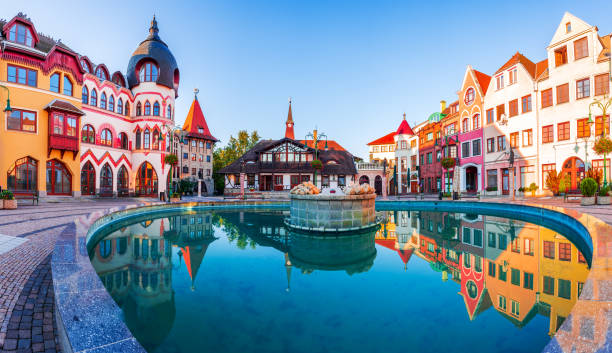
[
  {"x": 448, "y": 163},
  {"x": 316, "y": 164}
]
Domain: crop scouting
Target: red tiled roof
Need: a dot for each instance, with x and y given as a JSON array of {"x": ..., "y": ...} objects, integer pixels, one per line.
[
  {"x": 605, "y": 43},
  {"x": 483, "y": 80},
  {"x": 542, "y": 69},
  {"x": 519, "y": 58},
  {"x": 195, "y": 120},
  {"x": 404, "y": 128},
  {"x": 331, "y": 145},
  {"x": 385, "y": 140}
]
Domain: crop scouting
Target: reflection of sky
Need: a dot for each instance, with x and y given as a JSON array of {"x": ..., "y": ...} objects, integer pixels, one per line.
[{"x": 240, "y": 304}]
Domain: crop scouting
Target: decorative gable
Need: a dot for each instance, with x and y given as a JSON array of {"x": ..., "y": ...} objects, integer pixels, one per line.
[
  {"x": 21, "y": 30},
  {"x": 570, "y": 26}
]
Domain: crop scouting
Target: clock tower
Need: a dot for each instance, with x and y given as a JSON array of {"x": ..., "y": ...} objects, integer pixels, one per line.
[{"x": 289, "y": 124}]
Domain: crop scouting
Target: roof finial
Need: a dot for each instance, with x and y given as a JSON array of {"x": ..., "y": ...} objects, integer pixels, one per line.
[
  {"x": 404, "y": 116},
  {"x": 153, "y": 30},
  {"x": 289, "y": 100},
  {"x": 195, "y": 93}
]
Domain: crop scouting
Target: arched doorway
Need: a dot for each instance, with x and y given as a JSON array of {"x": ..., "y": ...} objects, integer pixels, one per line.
[
  {"x": 123, "y": 182},
  {"x": 378, "y": 185},
  {"x": 364, "y": 180},
  {"x": 22, "y": 178},
  {"x": 88, "y": 179},
  {"x": 146, "y": 180},
  {"x": 106, "y": 181},
  {"x": 59, "y": 180},
  {"x": 574, "y": 167},
  {"x": 471, "y": 179}
]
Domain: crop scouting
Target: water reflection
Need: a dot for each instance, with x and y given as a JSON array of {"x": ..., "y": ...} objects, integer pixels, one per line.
[{"x": 519, "y": 270}]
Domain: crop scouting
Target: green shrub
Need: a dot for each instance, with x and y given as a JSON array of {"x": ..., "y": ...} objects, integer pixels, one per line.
[
  {"x": 588, "y": 187},
  {"x": 521, "y": 189},
  {"x": 604, "y": 191},
  {"x": 533, "y": 187},
  {"x": 7, "y": 195},
  {"x": 491, "y": 188}
]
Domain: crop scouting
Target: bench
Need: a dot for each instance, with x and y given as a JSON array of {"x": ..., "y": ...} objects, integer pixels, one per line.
[
  {"x": 573, "y": 194},
  {"x": 469, "y": 195},
  {"x": 28, "y": 196}
]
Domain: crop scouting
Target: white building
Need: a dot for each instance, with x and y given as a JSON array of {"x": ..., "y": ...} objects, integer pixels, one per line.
[{"x": 406, "y": 152}]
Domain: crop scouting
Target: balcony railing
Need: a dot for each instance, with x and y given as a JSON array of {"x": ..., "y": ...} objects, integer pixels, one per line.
[{"x": 369, "y": 166}]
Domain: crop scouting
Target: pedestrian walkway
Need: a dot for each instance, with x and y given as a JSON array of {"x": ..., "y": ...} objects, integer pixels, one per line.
[{"x": 8, "y": 243}]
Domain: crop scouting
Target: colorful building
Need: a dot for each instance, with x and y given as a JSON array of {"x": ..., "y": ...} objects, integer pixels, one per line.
[
  {"x": 39, "y": 137},
  {"x": 405, "y": 157}
]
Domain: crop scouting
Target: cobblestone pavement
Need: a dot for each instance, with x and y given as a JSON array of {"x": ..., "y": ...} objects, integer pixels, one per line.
[{"x": 26, "y": 290}]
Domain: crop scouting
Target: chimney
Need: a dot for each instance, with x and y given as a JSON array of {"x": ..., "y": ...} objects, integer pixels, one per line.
[{"x": 442, "y": 105}]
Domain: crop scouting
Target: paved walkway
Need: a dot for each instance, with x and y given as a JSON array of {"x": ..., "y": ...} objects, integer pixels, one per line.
[{"x": 27, "y": 238}]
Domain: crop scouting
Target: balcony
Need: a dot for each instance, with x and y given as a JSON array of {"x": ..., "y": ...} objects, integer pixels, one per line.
[
  {"x": 369, "y": 166},
  {"x": 63, "y": 143}
]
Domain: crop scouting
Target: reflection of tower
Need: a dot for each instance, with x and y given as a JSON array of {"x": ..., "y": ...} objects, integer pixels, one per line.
[
  {"x": 288, "y": 268},
  {"x": 193, "y": 259}
]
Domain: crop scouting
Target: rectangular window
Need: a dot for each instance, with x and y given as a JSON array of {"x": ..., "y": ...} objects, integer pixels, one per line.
[
  {"x": 503, "y": 241},
  {"x": 465, "y": 150},
  {"x": 528, "y": 250},
  {"x": 503, "y": 275},
  {"x": 500, "y": 111},
  {"x": 549, "y": 285},
  {"x": 526, "y": 104},
  {"x": 599, "y": 125},
  {"x": 549, "y": 249},
  {"x": 583, "y": 88},
  {"x": 527, "y": 280},
  {"x": 527, "y": 138},
  {"x": 565, "y": 289},
  {"x": 512, "y": 76},
  {"x": 489, "y": 116},
  {"x": 500, "y": 81},
  {"x": 602, "y": 85},
  {"x": 513, "y": 107},
  {"x": 476, "y": 147},
  {"x": 467, "y": 236},
  {"x": 514, "y": 139},
  {"x": 492, "y": 178},
  {"x": 563, "y": 93},
  {"x": 21, "y": 120},
  {"x": 565, "y": 251},
  {"x": 71, "y": 123},
  {"x": 491, "y": 268},
  {"x": 581, "y": 48},
  {"x": 546, "y": 98},
  {"x": 579, "y": 288},
  {"x": 501, "y": 143},
  {"x": 561, "y": 56},
  {"x": 491, "y": 240},
  {"x": 278, "y": 180},
  {"x": 563, "y": 131},
  {"x": 17, "y": 74},
  {"x": 490, "y": 145},
  {"x": 515, "y": 308},
  {"x": 501, "y": 302},
  {"x": 185, "y": 155},
  {"x": 584, "y": 128},
  {"x": 516, "y": 245},
  {"x": 58, "y": 124},
  {"x": 193, "y": 156},
  {"x": 548, "y": 134},
  {"x": 478, "y": 237},
  {"x": 429, "y": 158},
  {"x": 515, "y": 276}
]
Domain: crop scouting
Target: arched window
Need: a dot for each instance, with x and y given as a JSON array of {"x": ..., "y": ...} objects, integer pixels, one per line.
[
  {"x": 23, "y": 176},
  {"x": 147, "y": 139},
  {"x": 127, "y": 108},
  {"x": 94, "y": 97},
  {"x": 67, "y": 86},
  {"x": 169, "y": 112},
  {"x": 138, "y": 109},
  {"x": 106, "y": 180},
  {"x": 124, "y": 140},
  {"x": 111, "y": 103},
  {"x": 59, "y": 180},
  {"x": 155, "y": 140},
  {"x": 54, "y": 83},
  {"x": 106, "y": 137},
  {"x": 120, "y": 106},
  {"x": 156, "y": 108},
  {"x": 148, "y": 72},
  {"x": 122, "y": 182},
  {"x": 88, "y": 134},
  {"x": 85, "y": 95},
  {"x": 146, "y": 180},
  {"x": 84, "y": 65},
  {"x": 138, "y": 139},
  {"x": 101, "y": 74},
  {"x": 476, "y": 121},
  {"x": 465, "y": 125},
  {"x": 88, "y": 179},
  {"x": 103, "y": 100},
  {"x": 21, "y": 34},
  {"x": 147, "y": 108}
]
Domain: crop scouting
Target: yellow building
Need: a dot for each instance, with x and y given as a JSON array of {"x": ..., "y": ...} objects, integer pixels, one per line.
[{"x": 39, "y": 138}]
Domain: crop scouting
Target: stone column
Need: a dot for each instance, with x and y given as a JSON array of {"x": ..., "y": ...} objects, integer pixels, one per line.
[
  {"x": 199, "y": 187},
  {"x": 242, "y": 184},
  {"x": 384, "y": 186}
]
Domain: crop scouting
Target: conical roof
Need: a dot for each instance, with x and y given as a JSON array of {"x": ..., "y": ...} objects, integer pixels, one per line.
[
  {"x": 404, "y": 128},
  {"x": 195, "y": 123},
  {"x": 289, "y": 124}
]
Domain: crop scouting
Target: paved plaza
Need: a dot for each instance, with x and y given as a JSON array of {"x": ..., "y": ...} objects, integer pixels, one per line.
[{"x": 27, "y": 239}]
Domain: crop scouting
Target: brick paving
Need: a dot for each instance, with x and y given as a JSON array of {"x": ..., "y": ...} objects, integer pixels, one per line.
[{"x": 26, "y": 290}]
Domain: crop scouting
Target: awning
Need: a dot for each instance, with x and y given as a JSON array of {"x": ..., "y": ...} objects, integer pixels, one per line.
[{"x": 58, "y": 104}]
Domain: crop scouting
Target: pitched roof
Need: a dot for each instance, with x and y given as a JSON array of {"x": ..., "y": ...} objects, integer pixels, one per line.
[
  {"x": 542, "y": 69},
  {"x": 331, "y": 145},
  {"x": 44, "y": 43},
  {"x": 289, "y": 124},
  {"x": 483, "y": 80},
  {"x": 58, "y": 104},
  {"x": 605, "y": 43},
  {"x": 519, "y": 58},
  {"x": 385, "y": 140},
  {"x": 195, "y": 121},
  {"x": 404, "y": 128}
]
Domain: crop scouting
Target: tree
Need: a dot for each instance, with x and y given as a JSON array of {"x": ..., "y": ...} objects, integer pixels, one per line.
[
  {"x": 172, "y": 160},
  {"x": 235, "y": 148}
]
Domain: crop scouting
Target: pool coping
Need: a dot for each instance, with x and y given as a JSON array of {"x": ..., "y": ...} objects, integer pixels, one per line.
[{"x": 88, "y": 319}]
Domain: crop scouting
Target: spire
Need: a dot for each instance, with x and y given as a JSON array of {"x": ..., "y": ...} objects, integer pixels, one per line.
[
  {"x": 404, "y": 116},
  {"x": 153, "y": 30},
  {"x": 289, "y": 124},
  {"x": 195, "y": 122},
  {"x": 195, "y": 93}
]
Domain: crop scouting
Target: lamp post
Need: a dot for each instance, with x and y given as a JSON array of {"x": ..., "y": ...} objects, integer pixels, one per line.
[
  {"x": 172, "y": 130},
  {"x": 511, "y": 163},
  {"x": 8, "y": 108},
  {"x": 316, "y": 137}
]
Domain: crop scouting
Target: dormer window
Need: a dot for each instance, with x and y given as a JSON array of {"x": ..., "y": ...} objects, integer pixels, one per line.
[
  {"x": 568, "y": 27},
  {"x": 148, "y": 72},
  {"x": 561, "y": 56},
  {"x": 101, "y": 74},
  {"x": 21, "y": 34},
  {"x": 200, "y": 130},
  {"x": 500, "y": 81},
  {"x": 84, "y": 65}
]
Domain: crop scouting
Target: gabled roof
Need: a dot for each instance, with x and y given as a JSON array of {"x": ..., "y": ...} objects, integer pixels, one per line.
[
  {"x": 605, "y": 43},
  {"x": 404, "y": 128},
  {"x": 577, "y": 26},
  {"x": 331, "y": 145},
  {"x": 195, "y": 120},
  {"x": 483, "y": 80},
  {"x": 542, "y": 70},
  {"x": 519, "y": 58},
  {"x": 385, "y": 140},
  {"x": 58, "y": 104}
]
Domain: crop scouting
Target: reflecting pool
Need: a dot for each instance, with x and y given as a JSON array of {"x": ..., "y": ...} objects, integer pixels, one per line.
[{"x": 424, "y": 282}]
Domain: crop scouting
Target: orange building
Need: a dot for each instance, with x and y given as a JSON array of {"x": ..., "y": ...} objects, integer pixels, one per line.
[{"x": 39, "y": 137}]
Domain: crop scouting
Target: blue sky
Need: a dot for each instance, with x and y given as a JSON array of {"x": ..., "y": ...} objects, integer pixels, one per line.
[{"x": 352, "y": 67}]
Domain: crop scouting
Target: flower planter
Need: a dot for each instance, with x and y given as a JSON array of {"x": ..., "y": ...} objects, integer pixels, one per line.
[
  {"x": 175, "y": 199},
  {"x": 604, "y": 200},
  {"x": 1, "y": 204},
  {"x": 10, "y": 204},
  {"x": 587, "y": 201}
]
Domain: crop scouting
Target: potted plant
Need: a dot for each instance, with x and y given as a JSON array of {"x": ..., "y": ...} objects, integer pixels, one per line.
[
  {"x": 564, "y": 186},
  {"x": 603, "y": 198},
  {"x": 448, "y": 163},
  {"x": 175, "y": 197},
  {"x": 491, "y": 190},
  {"x": 316, "y": 164},
  {"x": 588, "y": 187},
  {"x": 533, "y": 188},
  {"x": 9, "y": 202},
  {"x": 603, "y": 146},
  {"x": 520, "y": 191},
  {"x": 553, "y": 181}
]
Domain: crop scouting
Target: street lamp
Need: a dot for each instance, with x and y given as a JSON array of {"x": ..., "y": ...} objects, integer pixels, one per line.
[
  {"x": 8, "y": 108},
  {"x": 316, "y": 137}
]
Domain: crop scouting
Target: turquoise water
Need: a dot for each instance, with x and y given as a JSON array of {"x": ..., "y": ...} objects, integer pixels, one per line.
[{"x": 241, "y": 282}]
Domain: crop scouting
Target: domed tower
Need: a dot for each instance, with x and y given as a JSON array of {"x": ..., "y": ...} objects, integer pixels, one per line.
[{"x": 153, "y": 78}]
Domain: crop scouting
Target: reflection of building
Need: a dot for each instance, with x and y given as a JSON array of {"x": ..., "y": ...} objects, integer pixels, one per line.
[{"x": 395, "y": 234}]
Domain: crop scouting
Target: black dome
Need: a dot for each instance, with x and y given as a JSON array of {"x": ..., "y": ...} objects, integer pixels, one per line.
[{"x": 153, "y": 48}]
